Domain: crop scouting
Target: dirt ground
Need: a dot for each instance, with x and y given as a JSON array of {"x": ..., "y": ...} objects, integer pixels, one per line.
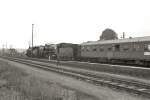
[{"x": 61, "y": 85}]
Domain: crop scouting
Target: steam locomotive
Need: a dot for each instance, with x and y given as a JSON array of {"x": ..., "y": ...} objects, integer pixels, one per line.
[{"x": 48, "y": 50}]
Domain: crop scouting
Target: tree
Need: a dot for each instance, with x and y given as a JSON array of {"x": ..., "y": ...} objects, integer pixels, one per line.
[{"x": 108, "y": 34}]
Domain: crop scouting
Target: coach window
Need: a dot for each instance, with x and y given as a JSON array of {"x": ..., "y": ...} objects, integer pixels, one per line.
[
  {"x": 134, "y": 47},
  {"x": 82, "y": 48},
  {"x": 87, "y": 49},
  {"x": 137, "y": 47},
  {"x": 125, "y": 48},
  {"x": 117, "y": 47},
  {"x": 101, "y": 49},
  {"x": 94, "y": 49},
  {"x": 147, "y": 47},
  {"x": 109, "y": 49}
]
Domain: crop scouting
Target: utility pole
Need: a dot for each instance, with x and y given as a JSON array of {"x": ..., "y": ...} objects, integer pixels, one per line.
[
  {"x": 6, "y": 45},
  {"x": 3, "y": 49},
  {"x": 10, "y": 50},
  {"x": 32, "y": 38},
  {"x": 123, "y": 35}
]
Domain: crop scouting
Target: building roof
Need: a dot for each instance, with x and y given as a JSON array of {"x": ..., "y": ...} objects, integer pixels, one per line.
[{"x": 127, "y": 40}]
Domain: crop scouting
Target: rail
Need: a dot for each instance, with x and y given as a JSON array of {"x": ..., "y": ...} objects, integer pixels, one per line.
[{"x": 135, "y": 87}]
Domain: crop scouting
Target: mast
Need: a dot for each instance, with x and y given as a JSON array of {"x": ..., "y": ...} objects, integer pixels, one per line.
[{"x": 32, "y": 38}]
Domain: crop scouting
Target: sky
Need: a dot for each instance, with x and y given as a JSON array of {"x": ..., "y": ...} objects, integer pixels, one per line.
[{"x": 73, "y": 21}]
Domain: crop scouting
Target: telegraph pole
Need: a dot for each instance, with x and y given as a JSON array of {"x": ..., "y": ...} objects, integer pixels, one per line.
[
  {"x": 3, "y": 49},
  {"x": 32, "y": 38},
  {"x": 123, "y": 35},
  {"x": 6, "y": 45}
]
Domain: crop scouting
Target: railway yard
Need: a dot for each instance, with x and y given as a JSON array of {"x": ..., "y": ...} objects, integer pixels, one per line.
[
  {"x": 107, "y": 69},
  {"x": 100, "y": 81},
  {"x": 75, "y": 50}
]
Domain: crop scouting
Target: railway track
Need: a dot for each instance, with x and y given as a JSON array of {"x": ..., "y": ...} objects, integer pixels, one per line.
[
  {"x": 133, "y": 71},
  {"x": 138, "y": 88}
]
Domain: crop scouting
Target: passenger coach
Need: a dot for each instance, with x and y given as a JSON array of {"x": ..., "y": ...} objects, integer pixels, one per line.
[{"x": 129, "y": 50}]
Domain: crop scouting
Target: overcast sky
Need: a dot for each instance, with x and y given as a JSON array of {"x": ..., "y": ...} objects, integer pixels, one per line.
[{"x": 73, "y": 21}]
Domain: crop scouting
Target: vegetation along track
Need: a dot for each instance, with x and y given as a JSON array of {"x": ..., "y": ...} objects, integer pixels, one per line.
[{"x": 135, "y": 87}]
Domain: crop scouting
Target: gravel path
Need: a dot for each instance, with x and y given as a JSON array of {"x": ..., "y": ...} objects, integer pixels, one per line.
[{"x": 102, "y": 93}]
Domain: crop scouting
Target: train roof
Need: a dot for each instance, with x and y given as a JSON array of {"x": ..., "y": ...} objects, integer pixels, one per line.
[
  {"x": 127, "y": 40},
  {"x": 63, "y": 45}
]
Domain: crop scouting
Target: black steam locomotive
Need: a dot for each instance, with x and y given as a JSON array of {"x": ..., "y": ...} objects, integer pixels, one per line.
[{"x": 46, "y": 51}]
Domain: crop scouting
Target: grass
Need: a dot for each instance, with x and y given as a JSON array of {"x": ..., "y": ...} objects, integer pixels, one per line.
[{"x": 16, "y": 84}]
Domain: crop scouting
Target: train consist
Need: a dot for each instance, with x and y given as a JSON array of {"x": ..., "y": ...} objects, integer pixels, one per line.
[{"x": 128, "y": 51}]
